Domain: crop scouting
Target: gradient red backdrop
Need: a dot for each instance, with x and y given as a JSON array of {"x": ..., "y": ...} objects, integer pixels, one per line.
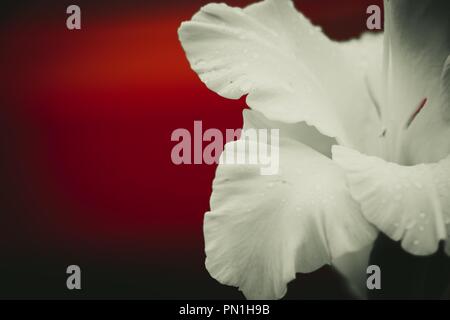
[{"x": 86, "y": 175}]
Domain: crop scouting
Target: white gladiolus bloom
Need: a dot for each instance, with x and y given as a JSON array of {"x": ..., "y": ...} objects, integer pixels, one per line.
[{"x": 364, "y": 139}]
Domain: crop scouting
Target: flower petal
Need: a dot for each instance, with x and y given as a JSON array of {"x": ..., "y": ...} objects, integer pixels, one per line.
[
  {"x": 407, "y": 203},
  {"x": 427, "y": 140},
  {"x": 419, "y": 35},
  {"x": 261, "y": 230},
  {"x": 290, "y": 70},
  {"x": 418, "y": 44},
  {"x": 445, "y": 88},
  {"x": 300, "y": 131},
  {"x": 353, "y": 266}
]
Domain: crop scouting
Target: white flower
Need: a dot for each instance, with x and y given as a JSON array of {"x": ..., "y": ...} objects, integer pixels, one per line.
[{"x": 364, "y": 146}]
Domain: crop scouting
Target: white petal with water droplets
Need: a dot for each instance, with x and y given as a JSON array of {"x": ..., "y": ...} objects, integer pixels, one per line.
[
  {"x": 262, "y": 230},
  {"x": 441, "y": 178},
  {"x": 290, "y": 70},
  {"x": 408, "y": 203}
]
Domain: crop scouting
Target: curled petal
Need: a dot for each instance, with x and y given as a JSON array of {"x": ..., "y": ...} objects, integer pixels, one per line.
[
  {"x": 408, "y": 203},
  {"x": 262, "y": 230},
  {"x": 290, "y": 70}
]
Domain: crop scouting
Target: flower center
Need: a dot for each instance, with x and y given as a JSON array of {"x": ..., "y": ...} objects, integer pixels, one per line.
[{"x": 415, "y": 113}]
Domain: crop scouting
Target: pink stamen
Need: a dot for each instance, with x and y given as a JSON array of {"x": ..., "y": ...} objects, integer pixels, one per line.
[{"x": 414, "y": 115}]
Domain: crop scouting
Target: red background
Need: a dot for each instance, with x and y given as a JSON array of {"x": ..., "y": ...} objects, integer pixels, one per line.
[{"x": 86, "y": 175}]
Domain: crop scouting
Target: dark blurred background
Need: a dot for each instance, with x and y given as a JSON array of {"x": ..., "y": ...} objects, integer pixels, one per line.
[{"x": 85, "y": 170}]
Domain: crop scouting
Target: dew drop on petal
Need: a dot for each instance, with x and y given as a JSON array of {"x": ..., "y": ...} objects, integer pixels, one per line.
[{"x": 410, "y": 224}]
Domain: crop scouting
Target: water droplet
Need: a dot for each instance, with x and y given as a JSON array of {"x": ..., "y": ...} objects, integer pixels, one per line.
[
  {"x": 416, "y": 242},
  {"x": 410, "y": 224}
]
